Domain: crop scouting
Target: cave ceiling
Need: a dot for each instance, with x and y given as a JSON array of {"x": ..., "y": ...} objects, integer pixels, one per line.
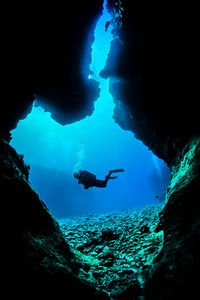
[{"x": 46, "y": 57}]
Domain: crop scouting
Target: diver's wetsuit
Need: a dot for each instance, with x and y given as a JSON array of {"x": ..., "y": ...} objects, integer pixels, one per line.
[{"x": 89, "y": 180}]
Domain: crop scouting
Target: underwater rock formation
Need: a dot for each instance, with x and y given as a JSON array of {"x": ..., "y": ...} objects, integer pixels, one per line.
[
  {"x": 121, "y": 254},
  {"x": 116, "y": 249},
  {"x": 149, "y": 85},
  {"x": 35, "y": 63},
  {"x": 174, "y": 273},
  {"x": 46, "y": 50},
  {"x": 36, "y": 248},
  {"x": 150, "y": 79}
]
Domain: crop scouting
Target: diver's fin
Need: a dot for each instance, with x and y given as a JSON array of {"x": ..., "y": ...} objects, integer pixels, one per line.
[
  {"x": 113, "y": 177},
  {"x": 117, "y": 170}
]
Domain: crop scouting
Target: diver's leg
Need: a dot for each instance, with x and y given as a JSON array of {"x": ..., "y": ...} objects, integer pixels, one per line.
[
  {"x": 100, "y": 183},
  {"x": 107, "y": 177},
  {"x": 103, "y": 183},
  {"x": 117, "y": 170}
]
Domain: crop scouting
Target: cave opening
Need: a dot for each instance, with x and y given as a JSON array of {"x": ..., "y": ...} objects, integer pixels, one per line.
[
  {"x": 110, "y": 230},
  {"x": 111, "y": 238},
  {"x": 97, "y": 144}
]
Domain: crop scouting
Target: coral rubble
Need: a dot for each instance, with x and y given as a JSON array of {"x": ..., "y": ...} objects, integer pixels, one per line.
[{"x": 116, "y": 249}]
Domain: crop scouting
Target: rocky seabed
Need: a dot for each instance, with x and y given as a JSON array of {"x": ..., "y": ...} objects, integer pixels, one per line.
[{"x": 116, "y": 249}]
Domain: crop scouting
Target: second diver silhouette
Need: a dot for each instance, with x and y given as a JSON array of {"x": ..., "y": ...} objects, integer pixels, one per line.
[{"x": 89, "y": 180}]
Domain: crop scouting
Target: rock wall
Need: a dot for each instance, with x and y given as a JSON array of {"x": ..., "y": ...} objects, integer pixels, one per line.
[
  {"x": 150, "y": 76},
  {"x": 36, "y": 250},
  {"x": 149, "y": 84},
  {"x": 174, "y": 273},
  {"x": 46, "y": 55}
]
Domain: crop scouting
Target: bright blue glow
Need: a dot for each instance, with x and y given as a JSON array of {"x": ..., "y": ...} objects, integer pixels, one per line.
[
  {"x": 101, "y": 45},
  {"x": 96, "y": 144}
]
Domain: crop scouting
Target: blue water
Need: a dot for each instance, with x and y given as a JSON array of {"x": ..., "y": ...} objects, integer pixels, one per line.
[{"x": 96, "y": 144}]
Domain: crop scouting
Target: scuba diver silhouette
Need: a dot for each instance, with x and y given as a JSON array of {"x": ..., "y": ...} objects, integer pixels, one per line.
[
  {"x": 107, "y": 25},
  {"x": 89, "y": 180}
]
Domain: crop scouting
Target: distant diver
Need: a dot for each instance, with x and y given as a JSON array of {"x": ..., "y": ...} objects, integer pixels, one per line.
[
  {"x": 89, "y": 180},
  {"x": 107, "y": 25}
]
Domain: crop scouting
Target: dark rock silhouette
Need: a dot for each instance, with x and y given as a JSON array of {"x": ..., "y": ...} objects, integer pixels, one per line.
[
  {"x": 37, "y": 253},
  {"x": 149, "y": 68},
  {"x": 50, "y": 61}
]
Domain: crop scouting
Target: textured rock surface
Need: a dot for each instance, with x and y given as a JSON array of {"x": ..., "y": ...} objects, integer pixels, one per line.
[
  {"x": 152, "y": 75},
  {"x": 116, "y": 249},
  {"x": 174, "y": 274},
  {"x": 36, "y": 250}
]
